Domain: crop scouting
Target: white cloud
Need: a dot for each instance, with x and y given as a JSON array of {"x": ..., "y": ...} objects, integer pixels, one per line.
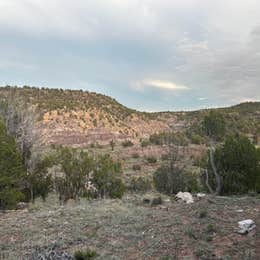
[
  {"x": 159, "y": 84},
  {"x": 207, "y": 47},
  {"x": 202, "y": 98}
]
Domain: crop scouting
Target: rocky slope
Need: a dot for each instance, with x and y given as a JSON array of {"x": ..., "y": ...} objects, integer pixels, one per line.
[{"x": 80, "y": 118}]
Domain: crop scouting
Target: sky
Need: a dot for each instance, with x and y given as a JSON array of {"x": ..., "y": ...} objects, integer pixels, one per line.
[{"x": 150, "y": 55}]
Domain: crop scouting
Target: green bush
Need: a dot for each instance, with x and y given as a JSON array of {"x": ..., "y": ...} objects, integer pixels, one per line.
[
  {"x": 135, "y": 155},
  {"x": 116, "y": 189},
  {"x": 156, "y": 201},
  {"x": 39, "y": 180},
  {"x": 169, "y": 180},
  {"x": 177, "y": 138},
  {"x": 76, "y": 168},
  {"x": 12, "y": 171},
  {"x": 151, "y": 159},
  {"x": 127, "y": 143},
  {"x": 9, "y": 197},
  {"x": 84, "y": 176},
  {"x": 140, "y": 184},
  {"x": 99, "y": 146},
  {"x": 197, "y": 139},
  {"x": 164, "y": 157},
  {"x": 211, "y": 228},
  {"x": 214, "y": 125},
  {"x": 192, "y": 183},
  {"x": 190, "y": 233},
  {"x": 107, "y": 177},
  {"x": 203, "y": 213},
  {"x": 238, "y": 164},
  {"x": 145, "y": 143},
  {"x": 137, "y": 167},
  {"x": 86, "y": 254}
]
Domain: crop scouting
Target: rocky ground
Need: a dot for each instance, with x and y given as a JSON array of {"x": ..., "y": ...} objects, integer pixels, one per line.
[{"x": 132, "y": 229}]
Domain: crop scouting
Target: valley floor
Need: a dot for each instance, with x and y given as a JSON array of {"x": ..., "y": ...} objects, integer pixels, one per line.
[{"x": 129, "y": 229}]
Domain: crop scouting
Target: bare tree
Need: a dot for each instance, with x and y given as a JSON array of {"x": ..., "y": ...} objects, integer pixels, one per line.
[
  {"x": 214, "y": 126},
  {"x": 22, "y": 122}
]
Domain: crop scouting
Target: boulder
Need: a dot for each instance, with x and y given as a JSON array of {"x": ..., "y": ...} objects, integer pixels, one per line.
[
  {"x": 245, "y": 226},
  {"x": 185, "y": 196}
]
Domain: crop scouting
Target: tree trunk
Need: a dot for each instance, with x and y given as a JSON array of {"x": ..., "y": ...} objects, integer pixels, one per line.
[
  {"x": 214, "y": 168},
  {"x": 32, "y": 195},
  {"x": 207, "y": 182}
]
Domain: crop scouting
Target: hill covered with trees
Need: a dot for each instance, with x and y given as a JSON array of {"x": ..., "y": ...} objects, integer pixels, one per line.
[{"x": 76, "y": 117}]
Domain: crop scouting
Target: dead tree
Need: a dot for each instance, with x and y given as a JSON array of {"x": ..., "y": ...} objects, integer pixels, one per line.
[
  {"x": 22, "y": 120},
  {"x": 214, "y": 126}
]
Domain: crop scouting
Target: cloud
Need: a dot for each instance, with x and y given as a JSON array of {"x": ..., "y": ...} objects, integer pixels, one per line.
[
  {"x": 161, "y": 84},
  {"x": 192, "y": 47}
]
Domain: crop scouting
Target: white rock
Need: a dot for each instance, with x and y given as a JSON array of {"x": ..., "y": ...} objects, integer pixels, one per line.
[
  {"x": 201, "y": 195},
  {"x": 185, "y": 196},
  {"x": 22, "y": 205},
  {"x": 246, "y": 226}
]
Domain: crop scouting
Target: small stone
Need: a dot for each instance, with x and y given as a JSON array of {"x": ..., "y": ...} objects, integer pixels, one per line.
[
  {"x": 201, "y": 195},
  {"x": 245, "y": 226},
  {"x": 22, "y": 205},
  {"x": 163, "y": 208}
]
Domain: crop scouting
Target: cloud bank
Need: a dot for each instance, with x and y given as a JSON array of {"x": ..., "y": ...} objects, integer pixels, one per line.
[{"x": 181, "y": 54}]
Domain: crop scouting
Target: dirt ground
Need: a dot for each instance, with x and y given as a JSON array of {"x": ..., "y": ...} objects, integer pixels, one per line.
[{"x": 130, "y": 229}]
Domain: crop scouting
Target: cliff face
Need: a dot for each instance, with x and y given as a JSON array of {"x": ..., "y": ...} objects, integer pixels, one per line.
[{"x": 81, "y": 127}]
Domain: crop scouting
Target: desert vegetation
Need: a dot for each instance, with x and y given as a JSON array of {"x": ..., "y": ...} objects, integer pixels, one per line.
[
  {"x": 12, "y": 171},
  {"x": 102, "y": 189}
]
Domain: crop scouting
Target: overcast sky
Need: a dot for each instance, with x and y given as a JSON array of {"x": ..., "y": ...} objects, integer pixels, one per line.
[{"x": 148, "y": 54}]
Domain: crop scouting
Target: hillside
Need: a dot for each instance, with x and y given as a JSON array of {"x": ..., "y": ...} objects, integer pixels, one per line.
[
  {"x": 74, "y": 117},
  {"x": 130, "y": 227},
  {"x": 80, "y": 118}
]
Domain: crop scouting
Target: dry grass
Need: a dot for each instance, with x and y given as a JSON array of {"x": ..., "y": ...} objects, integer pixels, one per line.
[{"x": 127, "y": 229}]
